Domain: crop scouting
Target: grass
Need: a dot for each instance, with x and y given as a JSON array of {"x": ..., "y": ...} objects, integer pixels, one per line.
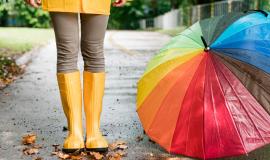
[
  {"x": 14, "y": 41},
  {"x": 172, "y": 32}
]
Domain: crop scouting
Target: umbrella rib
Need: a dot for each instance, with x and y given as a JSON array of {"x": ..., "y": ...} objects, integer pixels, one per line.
[
  {"x": 242, "y": 105},
  {"x": 243, "y": 49},
  {"x": 255, "y": 81},
  {"x": 212, "y": 97},
  {"x": 246, "y": 110},
  {"x": 232, "y": 19},
  {"x": 189, "y": 117},
  {"x": 251, "y": 77},
  {"x": 189, "y": 28},
  {"x": 236, "y": 129},
  {"x": 163, "y": 102},
  {"x": 240, "y": 31},
  {"x": 208, "y": 33},
  {"x": 190, "y": 105},
  {"x": 222, "y": 51},
  {"x": 191, "y": 39},
  {"x": 204, "y": 144},
  {"x": 181, "y": 108},
  {"x": 169, "y": 60}
]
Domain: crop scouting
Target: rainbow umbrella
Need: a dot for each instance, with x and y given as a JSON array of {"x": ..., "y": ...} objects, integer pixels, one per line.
[{"x": 207, "y": 93}]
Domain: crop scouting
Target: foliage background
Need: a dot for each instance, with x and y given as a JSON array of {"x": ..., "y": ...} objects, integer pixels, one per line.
[{"x": 17, "y": 13}]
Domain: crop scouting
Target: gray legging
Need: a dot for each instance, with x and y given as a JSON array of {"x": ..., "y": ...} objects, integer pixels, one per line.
[{"x": 66, "y": 28}]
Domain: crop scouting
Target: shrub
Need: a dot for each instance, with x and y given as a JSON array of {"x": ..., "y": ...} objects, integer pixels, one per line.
[{"x": 17, "y": 13}]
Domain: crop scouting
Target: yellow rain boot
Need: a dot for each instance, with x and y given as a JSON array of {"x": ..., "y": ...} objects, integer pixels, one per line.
[
  {"x": 71, "y": 96},
  {"x": 93, "y": 95}
]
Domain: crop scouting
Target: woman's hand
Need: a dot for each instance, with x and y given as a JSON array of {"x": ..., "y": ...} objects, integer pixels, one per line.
[
  {"x": 119, "y": 3},
  {"x": 33, "y": 3}
]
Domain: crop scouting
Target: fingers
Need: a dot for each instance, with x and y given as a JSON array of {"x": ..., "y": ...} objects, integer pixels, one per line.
[
  {"x": 33, "y": 3},
  {"x": 119, "y": 3},
  {"x": 39, "y": 2}
]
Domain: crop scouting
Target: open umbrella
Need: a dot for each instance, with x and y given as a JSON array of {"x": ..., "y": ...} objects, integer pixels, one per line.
[{"x": 207, "y": 93}]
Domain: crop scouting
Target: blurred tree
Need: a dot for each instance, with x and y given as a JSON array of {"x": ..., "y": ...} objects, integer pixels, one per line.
[
  {"x": 175, "y": 3},
  {"x": 17, "y": 13},
  {"x": 192, "y": 2},
  {"x": 127, "y": 17},
  {"x": 157, "y": 7},
  {"x": 264, "y": 4}
]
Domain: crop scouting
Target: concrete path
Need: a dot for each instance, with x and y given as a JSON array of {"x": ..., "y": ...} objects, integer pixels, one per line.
[{"x": 32, "y": 103}]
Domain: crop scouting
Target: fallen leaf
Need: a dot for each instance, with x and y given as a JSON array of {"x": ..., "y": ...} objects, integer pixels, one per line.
[
  {"x": 119, "y": 142},
  {"x": 121, "y": 153},
  {"x": 30, "y": 151},
  {"x": 118, "y": 145},
  {"x": 37, "y": 146},
  {"x": 79, "y": 157},
  {"x": 54, "y": 153},
  {"x": 96, "y": 155},
  {"x": 29, "y": 139},
  {"x": 139, "y": 139},
  {"x": 83, "y": 154},
  {"x": 63, "y": 155},
  {"x": 38, "y": 158},
  {"x": 114, "y": 158},
  {"x": 122, "y": 146},
  {"x": 8, "y": 70}
]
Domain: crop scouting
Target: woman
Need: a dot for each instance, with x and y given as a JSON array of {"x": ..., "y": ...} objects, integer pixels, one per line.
[{"x": 94, "y": 16}]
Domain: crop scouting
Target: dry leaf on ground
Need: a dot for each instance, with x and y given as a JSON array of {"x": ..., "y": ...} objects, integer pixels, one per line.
[
  {"x": 121, "y": 153},
  {"x": 122, "y": 146},
  {"x": 113, "y": 156},
  {"x": 117, "y": 155},
  {"x": 61, "y": 155},
  {"x": 37, "y": 146},
  {"x": 118, "y": 145},
  {"x": 96, "y": 155},
  {"x": 29, "y": 139},
  {"x": 8, "y": 71},
  {"x": 78, "y": 157},
  {"x": 30, "y": 151},
  {"x": 116, "y": 152},
  {"x": 139, "y": 139}
]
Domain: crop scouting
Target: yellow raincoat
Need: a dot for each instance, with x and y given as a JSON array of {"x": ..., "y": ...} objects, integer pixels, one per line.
[{"x": 81, "y": 6}]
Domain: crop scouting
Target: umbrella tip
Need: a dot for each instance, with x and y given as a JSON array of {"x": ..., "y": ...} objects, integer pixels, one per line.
[{"x": 206, "y": 49}]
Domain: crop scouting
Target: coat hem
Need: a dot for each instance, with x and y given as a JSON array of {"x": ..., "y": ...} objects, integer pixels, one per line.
[{"x": 74, "y": 11}]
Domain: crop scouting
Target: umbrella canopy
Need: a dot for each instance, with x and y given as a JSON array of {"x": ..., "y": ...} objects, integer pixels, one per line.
[{"x": 207, "y": 93}]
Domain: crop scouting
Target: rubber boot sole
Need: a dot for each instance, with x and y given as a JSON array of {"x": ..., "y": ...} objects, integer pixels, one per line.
[
  {"x": 101, "y": 150},
  {"x": 73, "y": 150}
]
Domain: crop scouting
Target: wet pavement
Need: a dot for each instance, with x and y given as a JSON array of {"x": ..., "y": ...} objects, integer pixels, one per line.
[{"x": 32, "y": 104}]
